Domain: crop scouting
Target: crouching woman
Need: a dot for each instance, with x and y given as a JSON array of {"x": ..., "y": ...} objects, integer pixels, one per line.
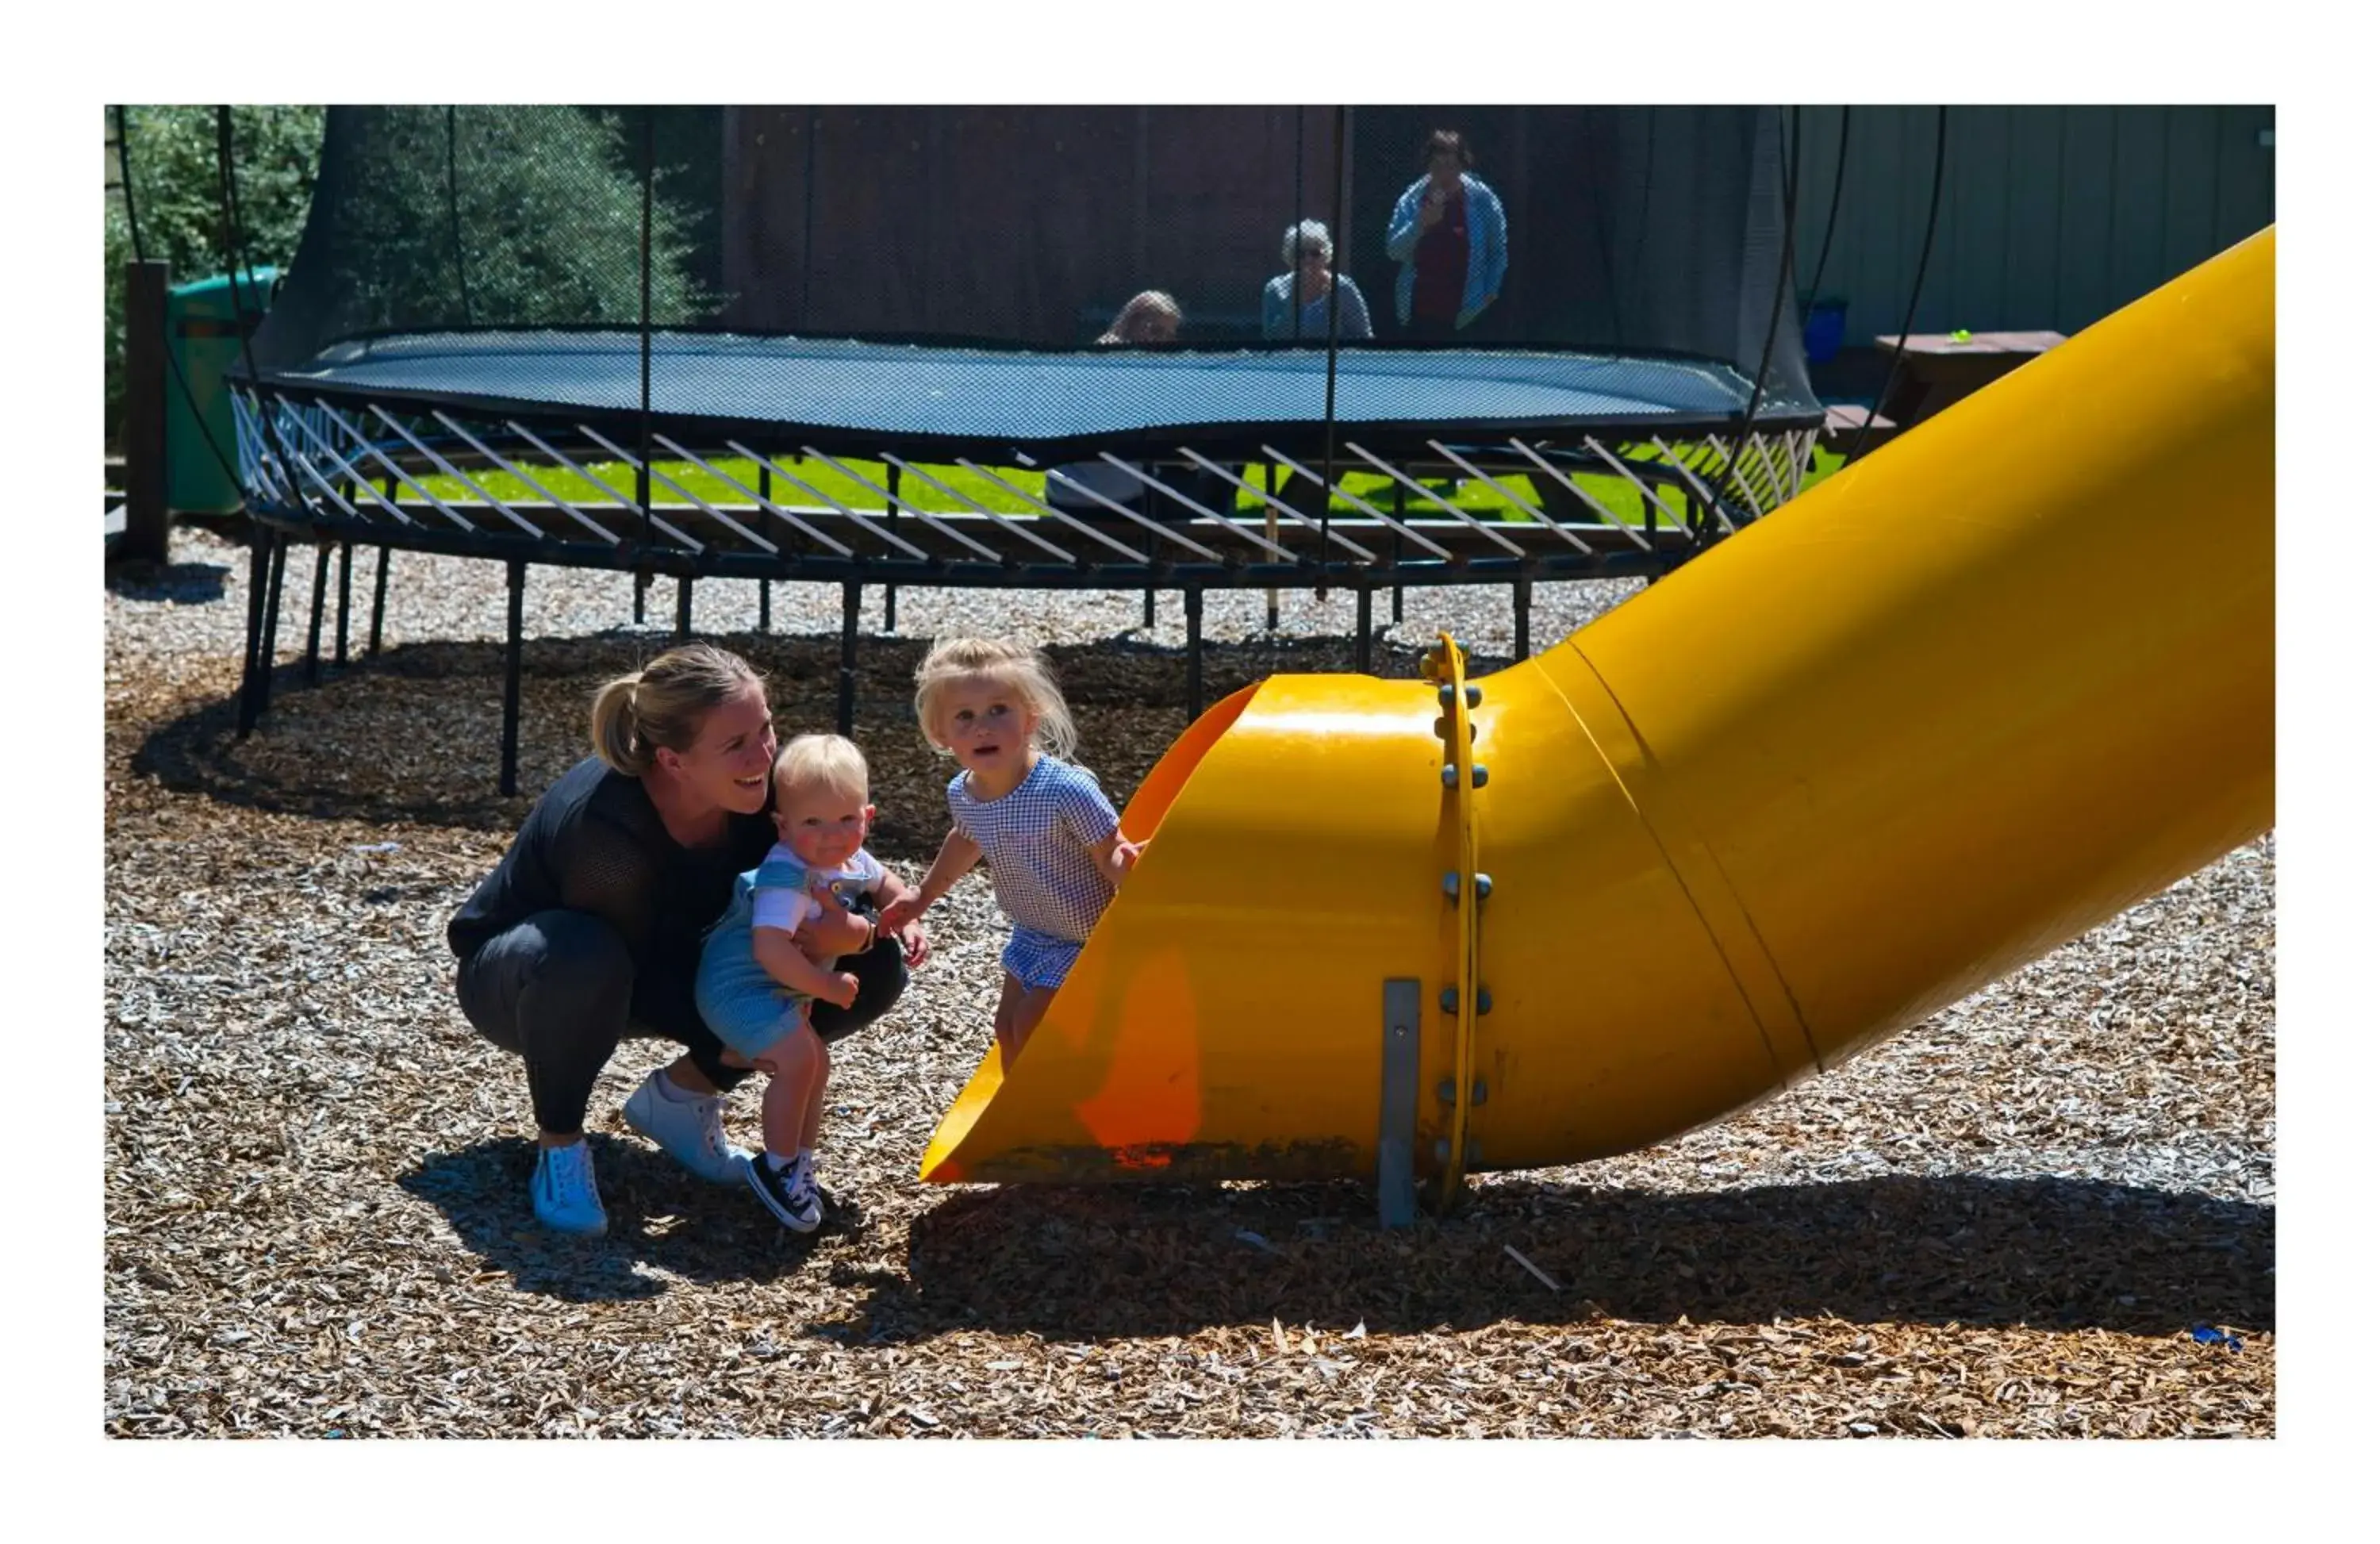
[{"x": 589, "y": 928}]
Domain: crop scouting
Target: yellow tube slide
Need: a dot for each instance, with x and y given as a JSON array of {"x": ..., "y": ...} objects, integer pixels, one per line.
[{"x": 1962, "y": 700}]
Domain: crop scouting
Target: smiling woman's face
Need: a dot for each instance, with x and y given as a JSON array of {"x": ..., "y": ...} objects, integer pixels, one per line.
[{"x": 727, "y": 765}]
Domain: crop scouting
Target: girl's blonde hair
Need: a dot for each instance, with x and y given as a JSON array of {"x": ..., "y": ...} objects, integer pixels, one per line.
[
  {"x": 1020, "y": 667},
  {"x": 1152, "y": 316},
  {"x": 827, "y": 761},
  {"x": 664, "y": 704}
]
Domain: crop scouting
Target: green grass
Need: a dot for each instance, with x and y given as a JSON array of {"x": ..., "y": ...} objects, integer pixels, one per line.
[{"x": 1001, "y": 489}]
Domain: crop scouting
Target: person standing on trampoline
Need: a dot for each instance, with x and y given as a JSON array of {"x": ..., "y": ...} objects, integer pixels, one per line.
[
  {"x": 589, "y": 928},
  {"x": 1446, "y": 233},
  {"x": 1018, "y": 802}
]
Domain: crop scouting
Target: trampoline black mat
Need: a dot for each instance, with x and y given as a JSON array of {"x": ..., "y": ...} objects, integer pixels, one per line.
[{"x": 906, "y": 392}]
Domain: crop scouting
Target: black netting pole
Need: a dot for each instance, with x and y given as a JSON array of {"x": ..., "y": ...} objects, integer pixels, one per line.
[
  {"x": 454, "y": 222},
  {"x": 1834, "y": 204},
  {"x": 140, "y": 254},
  {"x": 1916, "y": 287},
  {"x": 1792, "y": 159},
  {"x": 1296, "y": 213},
  {"x": 809, "y": 210},
  {"x": 1330, "y": 358},
  {"x": 236, "y": 257},
  {"x": 645, "y": 345}
]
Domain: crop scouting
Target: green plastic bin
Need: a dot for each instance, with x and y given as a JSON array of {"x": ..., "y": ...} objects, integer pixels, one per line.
[{"x": 204, "y": 331}]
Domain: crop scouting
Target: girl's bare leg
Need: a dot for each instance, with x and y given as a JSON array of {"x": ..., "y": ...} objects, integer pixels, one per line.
[{"x": 1019, "y": 1014}]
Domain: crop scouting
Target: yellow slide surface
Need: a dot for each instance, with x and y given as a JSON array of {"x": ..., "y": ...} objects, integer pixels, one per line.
[{"x": 1964, "y": 699}]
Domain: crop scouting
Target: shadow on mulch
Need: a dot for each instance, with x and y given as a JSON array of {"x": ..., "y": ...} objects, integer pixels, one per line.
[
  {"x": 2047, "y": 1253},
  {"x": 660, "y": 1218},
  {"x": 184, "y": 584},
  {"x": 414, "y": 735}
]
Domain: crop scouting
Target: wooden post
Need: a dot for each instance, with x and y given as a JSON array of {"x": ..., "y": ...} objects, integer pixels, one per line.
[{"x": 146, "y": 521}]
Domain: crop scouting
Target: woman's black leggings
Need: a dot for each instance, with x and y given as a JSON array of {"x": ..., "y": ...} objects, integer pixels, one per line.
[{"x": 560, "y": 989}]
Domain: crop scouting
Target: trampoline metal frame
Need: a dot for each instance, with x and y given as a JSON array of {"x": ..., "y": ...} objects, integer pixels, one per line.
[{"x": 317, "y": 470}]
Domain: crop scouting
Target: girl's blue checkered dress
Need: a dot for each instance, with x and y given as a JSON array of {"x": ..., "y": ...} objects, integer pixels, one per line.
[{"x": 1035, "y": 839}]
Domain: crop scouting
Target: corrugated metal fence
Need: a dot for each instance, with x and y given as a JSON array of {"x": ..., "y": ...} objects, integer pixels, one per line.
[{"x": 2051, "y": 217}]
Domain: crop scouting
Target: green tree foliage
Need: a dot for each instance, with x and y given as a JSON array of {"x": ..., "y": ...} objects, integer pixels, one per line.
[
  {"x": 515, "y": 216},
  {"x": 436, "y": 217},
  {"x": 176, "y": 193}
]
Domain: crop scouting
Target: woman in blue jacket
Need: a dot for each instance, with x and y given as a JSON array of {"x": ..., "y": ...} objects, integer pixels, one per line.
[{"x": 1446, "y": 233}]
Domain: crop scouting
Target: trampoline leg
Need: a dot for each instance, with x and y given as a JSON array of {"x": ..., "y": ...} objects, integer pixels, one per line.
[
  {"x": 515, "y": 578},
  {"x": 685, "y": 608},
  {"x": 1194, "y": 613},
  {"x": 1272, "y": 597},
  {"x": 762, "y": 469},
  {"x": 347, "y": 592},
  {"x": 1364, "y": 629},
  {"x": 314, "y": 617},
  {"x": 259, "y": 566},
  {"x": 1520, "y": 590},
  {"x": 1147, "y": 609},
  {"x": 892, "y": 514},
  {"x": 269, "y": 645},
  {"x": 846, "y": 689},
  {"x": 379, "y": 604},
  {"x": 637, "y": 600}
]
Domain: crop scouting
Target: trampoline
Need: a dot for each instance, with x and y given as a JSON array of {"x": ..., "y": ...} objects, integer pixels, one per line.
[
  {"x": 436, "y": 376},
  {"x": 984, "y": 401}
]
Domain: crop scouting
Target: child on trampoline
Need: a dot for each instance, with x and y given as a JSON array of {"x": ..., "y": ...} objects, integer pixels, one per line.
[
  {"x": 1020, "y": 804},
  {"x": 755, "y": 986}
]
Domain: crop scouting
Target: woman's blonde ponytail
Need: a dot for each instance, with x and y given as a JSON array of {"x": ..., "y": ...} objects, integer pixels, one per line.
[
  {"x": 664, "y": 705},
  {"x": 615, "y": 726}
]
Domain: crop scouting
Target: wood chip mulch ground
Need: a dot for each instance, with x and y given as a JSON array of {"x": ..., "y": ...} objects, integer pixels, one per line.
[{"x": 2046, "y": 1212}]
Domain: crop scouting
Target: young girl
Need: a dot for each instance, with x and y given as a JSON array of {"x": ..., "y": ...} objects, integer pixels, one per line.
[
  {"x": 755, "y": 986},
  {"x": 1050, "y": 836}
]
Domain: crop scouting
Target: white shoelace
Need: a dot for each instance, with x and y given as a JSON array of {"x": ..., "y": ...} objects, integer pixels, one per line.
[
  {"x": 571, "y": 1171},
  {"x": 714, "y": 1139}
]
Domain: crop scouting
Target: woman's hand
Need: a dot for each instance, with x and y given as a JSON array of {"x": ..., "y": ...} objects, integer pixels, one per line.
[
  {"x": 833, "y": 933},
  {"x": 914, "y": 947}
]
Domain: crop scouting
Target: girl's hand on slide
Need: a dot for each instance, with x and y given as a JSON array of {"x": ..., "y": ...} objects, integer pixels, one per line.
[{"x": 1128, "y": 855}]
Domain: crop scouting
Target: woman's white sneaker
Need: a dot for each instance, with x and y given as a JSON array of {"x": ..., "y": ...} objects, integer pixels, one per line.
[
  {"x": 685, "y": 1125},
  {"x": 561, "y": 1192}
]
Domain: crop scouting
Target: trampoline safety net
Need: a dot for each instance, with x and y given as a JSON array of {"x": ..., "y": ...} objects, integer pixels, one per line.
[{"x": 1007, "y": 279}]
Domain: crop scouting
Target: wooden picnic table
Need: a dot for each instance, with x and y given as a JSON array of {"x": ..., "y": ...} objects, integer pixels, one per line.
[{"x": 1937, "y": 371}]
